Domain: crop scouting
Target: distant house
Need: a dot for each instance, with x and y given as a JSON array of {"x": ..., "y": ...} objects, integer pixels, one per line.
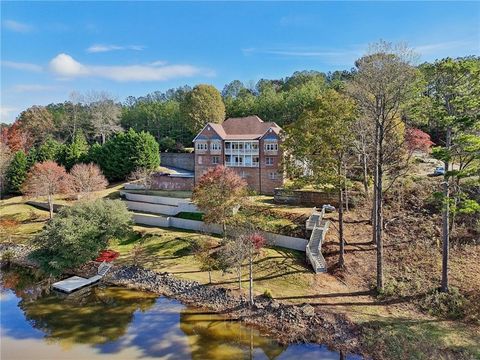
[{"x": 248, "y": 145}]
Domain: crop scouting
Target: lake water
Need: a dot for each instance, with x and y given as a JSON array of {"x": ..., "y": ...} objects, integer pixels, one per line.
[{"x": 118, "y": 323}]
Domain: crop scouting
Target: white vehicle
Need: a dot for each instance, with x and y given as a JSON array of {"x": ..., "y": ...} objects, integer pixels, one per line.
[
  {"x": 328, "y": 208},
  {"x": 439, "y": 170}
]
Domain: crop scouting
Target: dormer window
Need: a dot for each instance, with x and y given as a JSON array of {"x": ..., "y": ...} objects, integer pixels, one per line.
[
  {"x": 271, "y": 146},
  {"x": 216, "y": 145},
  {"x": 202, "y": 146}
]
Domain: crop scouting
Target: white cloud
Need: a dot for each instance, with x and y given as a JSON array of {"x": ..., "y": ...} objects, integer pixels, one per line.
[
  {"x": 99, "y": 48},
  {"x": 22, "y": 66},
  {"x": 67, "y": 67},
  {"x": 338, "y": 57},
  {"x": 5, "y": 112},
  {"x": 21, "y": 88},
  {"x": 16, "y": 26},
  {"x": 441, "y": 47}
]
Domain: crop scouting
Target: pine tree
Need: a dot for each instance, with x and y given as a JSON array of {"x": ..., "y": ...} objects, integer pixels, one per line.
[{"x": 17, "y": 172}]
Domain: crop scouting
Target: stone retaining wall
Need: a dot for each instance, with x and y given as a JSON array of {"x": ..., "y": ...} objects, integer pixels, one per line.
[
  {"x": 184, "y": 161},
  {"x": 304, "y": 197}
]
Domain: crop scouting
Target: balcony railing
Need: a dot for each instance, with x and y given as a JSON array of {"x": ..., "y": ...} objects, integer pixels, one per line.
[
  {"x": 233, "y": 164},
  {"x": 241, "y": 151}
]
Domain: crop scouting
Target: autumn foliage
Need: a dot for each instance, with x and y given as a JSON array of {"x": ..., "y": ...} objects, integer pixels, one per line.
[
  {"x": 16, "y": 138},
  {"x": 418, "y": 140},
  {"x": 219, "y": 191},
  {"x": 46, "y": 179}
]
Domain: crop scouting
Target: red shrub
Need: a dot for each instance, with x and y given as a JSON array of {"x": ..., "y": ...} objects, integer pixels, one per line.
[{"x": 107, "y": 256}]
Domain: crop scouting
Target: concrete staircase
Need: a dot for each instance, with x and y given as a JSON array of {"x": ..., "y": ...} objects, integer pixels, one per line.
[{"x": 318, "y": 228}]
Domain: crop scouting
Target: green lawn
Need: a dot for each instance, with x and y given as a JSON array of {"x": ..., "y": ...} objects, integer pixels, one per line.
[
  {"x": 391, "y": 331},
  {"x": 281, "y": 271}
]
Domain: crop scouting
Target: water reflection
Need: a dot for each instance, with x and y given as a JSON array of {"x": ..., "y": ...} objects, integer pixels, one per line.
[{"x": 112, "y": 322}]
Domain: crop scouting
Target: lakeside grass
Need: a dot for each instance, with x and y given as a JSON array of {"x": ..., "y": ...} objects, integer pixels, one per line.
[{"x": 390, "y": 331}]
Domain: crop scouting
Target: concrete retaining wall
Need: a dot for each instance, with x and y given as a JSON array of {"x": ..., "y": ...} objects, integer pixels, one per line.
[
  {"x": 152, "y": 208},
  {"x": 179, "y": 160},
  {"x": 165, "y": 200},
  {"x": 151, "y": 220},
  {"x": 288, "y": 242},
  {"x": 158, "y": 204}
]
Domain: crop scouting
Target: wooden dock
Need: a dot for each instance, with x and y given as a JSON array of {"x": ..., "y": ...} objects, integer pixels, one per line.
[{"x": 76, "y": 282}]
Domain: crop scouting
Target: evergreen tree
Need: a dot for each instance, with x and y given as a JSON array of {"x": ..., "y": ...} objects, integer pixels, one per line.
[
  {"x": 76, "y": 151},
  {"x": 126, "y": 152},
  {"x": 17, "y": 172}
]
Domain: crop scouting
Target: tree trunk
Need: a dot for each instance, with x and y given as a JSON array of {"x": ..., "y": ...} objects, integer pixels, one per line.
[
  {"x": 239, "y": 270},
  {"x": 103, "y": 138},
  {"x": 379, "y": 207},
  {"x": 209, "y": 276},
  {"x": 365, "y": 174},
  {"x": 50, "y": 205},
  {"x": 341, "y": 258},
  {"x": 250, "y": 271},
  {"x": 346, "y": 188},
  {"x": 446, "y": 219}
]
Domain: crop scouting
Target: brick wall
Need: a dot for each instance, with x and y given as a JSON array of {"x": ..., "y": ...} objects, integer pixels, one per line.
[
  {"x": 166, "y": 182},
  {"x": 258, "y": 179}
]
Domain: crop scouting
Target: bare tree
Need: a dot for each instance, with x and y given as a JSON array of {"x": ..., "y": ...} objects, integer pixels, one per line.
[
  {"x": 143, "y": 176},
  {"x": 76, "y": 99},
  {"x": 85, "y": 178},
  {"x": 381, "y": 85},
  {"x": 105, "y": 114},
  {"x": 243, "y": 246}
]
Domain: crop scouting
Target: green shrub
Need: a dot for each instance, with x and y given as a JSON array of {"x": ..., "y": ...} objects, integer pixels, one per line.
[
  {"x": 268, "y": 294},
  {"x": 78, "y": 233},
  {"x": 451, "y": 305},
  {"x": 190, "y": 216}
]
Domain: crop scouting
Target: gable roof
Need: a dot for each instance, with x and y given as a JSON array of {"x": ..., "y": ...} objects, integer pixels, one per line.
[{"x": 243, "y": 128}]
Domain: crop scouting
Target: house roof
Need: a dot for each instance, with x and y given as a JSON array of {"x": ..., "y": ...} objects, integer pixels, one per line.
[{"x": 243, "y": 128}]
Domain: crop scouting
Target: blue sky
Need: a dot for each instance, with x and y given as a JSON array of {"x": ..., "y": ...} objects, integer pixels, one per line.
[{"x": 50, "y": 49}]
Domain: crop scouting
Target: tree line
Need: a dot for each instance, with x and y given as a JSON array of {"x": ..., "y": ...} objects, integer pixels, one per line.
[
  {"x": 369, "y": 127},
  {"x": 364, "y": 123}
]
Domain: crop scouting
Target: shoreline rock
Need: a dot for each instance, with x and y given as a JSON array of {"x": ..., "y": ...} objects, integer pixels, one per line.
[{"x": 287, "y": 323}]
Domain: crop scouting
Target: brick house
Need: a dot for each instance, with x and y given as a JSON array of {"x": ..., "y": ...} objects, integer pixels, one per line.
[{"x": 248, "y": 145}]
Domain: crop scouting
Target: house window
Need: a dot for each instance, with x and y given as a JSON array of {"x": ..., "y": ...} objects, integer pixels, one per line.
[
  {"x": 215, "y": 145},
  {"x": 271, "y": 146},
  {"x": 269, "y": 161},
  {"x": 272, "y": 175},
  {"x": 238, "y": 160},
  {"x": 243, "y": 174},
  {"x": 202, "y": 146},
  {"x": 215, "y": 160},
  {"x": 199, "y": 160}
]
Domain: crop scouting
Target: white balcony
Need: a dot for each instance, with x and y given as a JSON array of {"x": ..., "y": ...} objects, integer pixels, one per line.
[
  {"x": 241, "y": 152},
  {"x": 232, "y": 164}
]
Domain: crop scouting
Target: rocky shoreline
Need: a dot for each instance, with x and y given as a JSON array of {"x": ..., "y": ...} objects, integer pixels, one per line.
[{"x": 286, "y": 322}]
